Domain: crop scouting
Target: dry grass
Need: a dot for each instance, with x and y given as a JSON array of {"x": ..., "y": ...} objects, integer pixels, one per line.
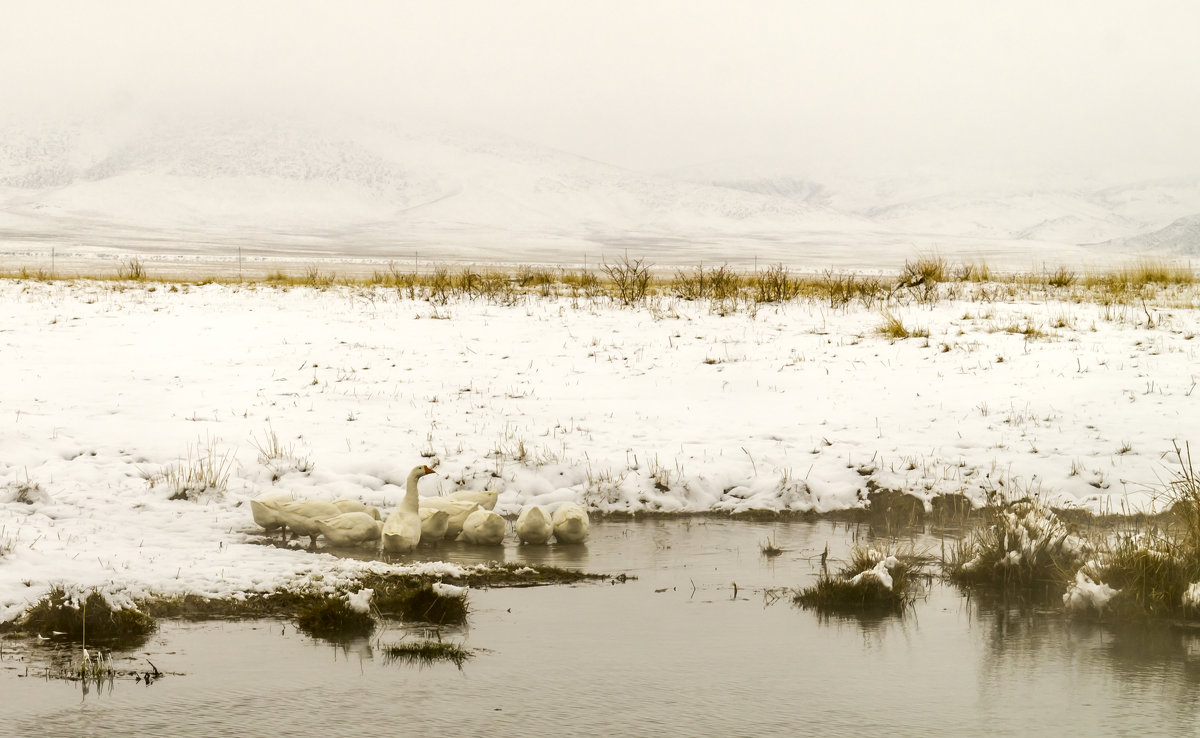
[
  {"x": 204, "y": 471},
  {"x": 893, "y": 327},
  {"x": 925, "y": 279}
]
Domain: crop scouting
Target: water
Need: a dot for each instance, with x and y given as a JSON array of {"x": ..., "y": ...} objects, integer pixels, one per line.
[{"x": 673, "y": 652}]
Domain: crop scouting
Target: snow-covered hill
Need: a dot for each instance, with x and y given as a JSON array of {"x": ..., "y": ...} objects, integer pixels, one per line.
[
  {"x": 1181, "y": 238},
  {"x": 381, "y": 190}
]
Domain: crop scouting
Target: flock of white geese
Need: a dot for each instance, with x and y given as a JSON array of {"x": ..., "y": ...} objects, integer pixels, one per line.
[{"x": 465, "y": 516}]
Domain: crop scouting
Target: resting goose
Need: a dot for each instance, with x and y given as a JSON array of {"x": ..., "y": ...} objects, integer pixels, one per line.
[
  {"x": 458, "y": 510},
  {"x": 484, "y": 527},
  {"x": 350, "y": 529},
  {"x": 570, "y": 523},
  {"x": 402, "y": 530},
  {"x": 355, "y": 506},
  {"x": 433, "y": 524},
  {"x": 485, "y": 499},
  {"x": 533, "y": 525}
]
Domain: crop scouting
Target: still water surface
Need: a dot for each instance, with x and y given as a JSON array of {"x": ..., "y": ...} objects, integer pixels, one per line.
[{"x": 673, "y": 652}]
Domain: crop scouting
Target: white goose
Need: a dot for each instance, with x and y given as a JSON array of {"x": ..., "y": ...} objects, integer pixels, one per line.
[
  {"x": 265, "y": 514},
  {"x": 355, "y": 506},
  {"x": 350, "y": 529},
  {"x": 402, "y": 530},
  {"x": 301, "y": 516},
  {"x": 433, "y": 524},
  {"x": 486, "y": 499},
  {"x": 570, "y": 523},
  {"x": 458, "y": 510},
  {"x": 484, "y": 527},
  {"x": 533, "y": 525}
]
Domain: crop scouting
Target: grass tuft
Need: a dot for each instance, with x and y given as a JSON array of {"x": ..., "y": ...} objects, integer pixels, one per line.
[
  {"x": 332, "y": 618},
  {"x": 418, "y": 603},
  {"x": 91, "y": 617},
  {"x": 1024, "y": 545},
  {"x": 871, "y": 582},
  {"x": 425, "y": 653},
  {"x": 204, "y": 471},
  {"x": 1157, "y": 571},
  {"x": 769, "y": 549},
  {"x": 893, "y": 327}
]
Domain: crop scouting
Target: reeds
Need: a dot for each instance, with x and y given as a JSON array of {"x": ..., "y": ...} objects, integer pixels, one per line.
[{"x": 1023, "y": 545}]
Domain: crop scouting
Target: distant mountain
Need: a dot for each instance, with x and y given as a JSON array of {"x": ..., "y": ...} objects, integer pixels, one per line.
[
  {"x": 374, "y": 190},
  {"x": 1181, "y": 237},
  {"x": 789, "y": 188},
  {"x": 379, "y": 183}
]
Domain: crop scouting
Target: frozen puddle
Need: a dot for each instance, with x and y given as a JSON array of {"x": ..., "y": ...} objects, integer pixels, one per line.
[{"x": 672, "y": 653}]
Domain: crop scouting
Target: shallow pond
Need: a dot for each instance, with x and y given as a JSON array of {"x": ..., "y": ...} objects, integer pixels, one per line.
[{"x": 672, "y": 652}]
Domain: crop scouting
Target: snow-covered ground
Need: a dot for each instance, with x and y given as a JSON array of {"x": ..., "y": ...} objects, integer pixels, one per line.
[{"x": 669, "y": 407}]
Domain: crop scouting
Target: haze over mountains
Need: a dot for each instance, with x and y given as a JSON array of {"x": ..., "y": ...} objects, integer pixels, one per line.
[{"x": 303, "y": 189}]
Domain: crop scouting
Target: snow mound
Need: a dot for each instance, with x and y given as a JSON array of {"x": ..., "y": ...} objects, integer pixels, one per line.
[
  {"x": 1085, "y": 595},
  {"x": 880, "y": 572}
]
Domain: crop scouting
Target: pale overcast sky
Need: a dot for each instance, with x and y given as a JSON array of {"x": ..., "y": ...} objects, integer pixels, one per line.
[{"x": 809, "y": 88}]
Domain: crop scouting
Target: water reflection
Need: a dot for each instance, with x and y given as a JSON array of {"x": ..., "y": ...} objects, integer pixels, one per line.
[{"x": 673, "y": 651}]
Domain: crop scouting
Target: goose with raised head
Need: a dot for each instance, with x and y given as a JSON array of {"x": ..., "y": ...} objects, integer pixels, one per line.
[
  {"x": 484, "y": 527},
  {"x": 458, "y": 510},
  {"x": 571, "y": 523},
  {"x": 301, "y": 516},
  {"x": 433, "y": 524},
  {"x": 264, "y": 513},
  {"x": 485, "y": 499},
  {"x": 402, "y": 530},
  {"x": 350, "y": 529},
  {"x": 533, "y": 525},
  {"x": 347, "y": 506}
]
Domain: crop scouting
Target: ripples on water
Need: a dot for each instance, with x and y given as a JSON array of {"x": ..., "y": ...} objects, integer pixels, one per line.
[{"x": 671, "y": 653}]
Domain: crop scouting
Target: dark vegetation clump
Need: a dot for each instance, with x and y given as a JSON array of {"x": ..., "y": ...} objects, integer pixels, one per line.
[
  {"x": 425, "y": 653},
  {"x": 871, "y": 582},
  {"x": 332, "y": 618},
  {"x": 92, "y": 618},
  {"x": 418, "y": 603}
]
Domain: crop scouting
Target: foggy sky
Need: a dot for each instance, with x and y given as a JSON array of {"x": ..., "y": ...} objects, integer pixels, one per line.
[{"x": 821, "y": 89}]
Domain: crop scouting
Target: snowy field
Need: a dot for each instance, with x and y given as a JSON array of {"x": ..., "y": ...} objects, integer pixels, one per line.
[{"x": 670, "y": 407}]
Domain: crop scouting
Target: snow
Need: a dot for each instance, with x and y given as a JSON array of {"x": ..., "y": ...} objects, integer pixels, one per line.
[
  {"x": 1083, "y": 594},
  {"x": 1191, "y": 598},
  {"x": 360, "y": 601},
  {"x": 670, "y": 407},
  {"x": 880, "y": 572},
  {"x": 448, "y": 590}
]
